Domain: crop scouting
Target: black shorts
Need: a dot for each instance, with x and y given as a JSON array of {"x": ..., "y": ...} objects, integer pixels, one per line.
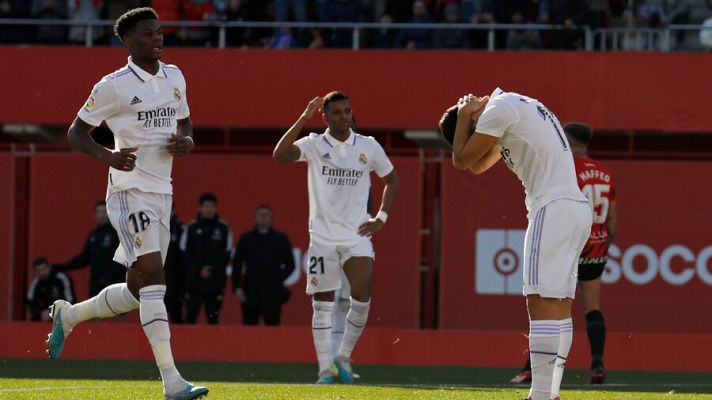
[{"x": 589, "y": 272}]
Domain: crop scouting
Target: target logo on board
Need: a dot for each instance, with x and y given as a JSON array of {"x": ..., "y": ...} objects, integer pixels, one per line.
[{"x": 499, "y": 261}]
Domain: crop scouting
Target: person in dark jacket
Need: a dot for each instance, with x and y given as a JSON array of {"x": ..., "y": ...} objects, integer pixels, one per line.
[
  {"x": 206, "y": 244},
  {"x": 45, "y": 288},
  {"x": 98, "y": 253},
  {"x": 263, "y": 260},
  {"x": 175, "y": 269}
]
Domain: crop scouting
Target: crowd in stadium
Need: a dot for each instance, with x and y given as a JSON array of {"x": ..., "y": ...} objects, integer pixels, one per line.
[{"x": 566, "y": 13}]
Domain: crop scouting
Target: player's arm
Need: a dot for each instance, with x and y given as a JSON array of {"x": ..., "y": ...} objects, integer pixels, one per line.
[
  {"x": 286, "y": 151},
  {"x": 390, "y": 192},
  {"x": 486, "y": 162},
  {"x": 79, "y": 137},
  {"x": 468, "y": 149},
  {"x": 181, "y": 142},
  {"x": 612, "y": 221}
]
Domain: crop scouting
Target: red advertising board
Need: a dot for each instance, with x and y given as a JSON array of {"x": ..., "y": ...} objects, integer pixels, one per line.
[
  {"x": 64, "y": 188},
  {"x": 659, "y": 276},
  {"x": 390, "y": 89}
]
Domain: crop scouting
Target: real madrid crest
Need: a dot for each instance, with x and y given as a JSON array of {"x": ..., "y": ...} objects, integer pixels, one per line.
[
  {"x": 314, "y": 281},
  {"x": 362, "y": 158},
  {"x": 137, "y": 241},
  {"x": 176, "y": 93}
]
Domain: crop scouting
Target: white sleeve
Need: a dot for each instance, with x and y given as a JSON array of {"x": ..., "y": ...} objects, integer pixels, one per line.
[
  {"x": 183, "y": 109},
  {"x": 101, "y": 104},
  {"x": 381, "y": 164},
  {"x": 305, "y": 144},
  {"x": 497, "y": 118}
]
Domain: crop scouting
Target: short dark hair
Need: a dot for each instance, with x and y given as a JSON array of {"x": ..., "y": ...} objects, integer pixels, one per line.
[
  {"x": 130, "y": 18},
  {"x": 581, "y": 133},
  {"x": 39, "y": 261},
  {"x": 447, "y": 124},
  {"x": 264, "y": 206},
  {"x": 207, "y": 197},
  {"x": 334, "y": 96},
  {"x": 99, "y": 203}
]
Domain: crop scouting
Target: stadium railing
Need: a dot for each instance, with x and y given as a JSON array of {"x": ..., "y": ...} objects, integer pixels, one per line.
[{"x": 628, "y": 39}]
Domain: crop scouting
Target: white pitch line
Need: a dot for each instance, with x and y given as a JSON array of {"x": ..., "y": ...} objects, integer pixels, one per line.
[{"x": 50, "y": 388}]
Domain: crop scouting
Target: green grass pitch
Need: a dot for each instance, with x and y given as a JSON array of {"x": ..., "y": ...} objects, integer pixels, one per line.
[{"x": 72, "y": 379}]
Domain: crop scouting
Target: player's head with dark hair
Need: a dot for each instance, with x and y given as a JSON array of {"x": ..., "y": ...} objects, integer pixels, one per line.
[
  {"x": 263, "y": 217},
  {"x": 39, "y": 261},
  {"x": 140, "y": 32},
  {"x": 208, "y": 205},
  {"x": 579, "y": 133},
  {"x": 100, "y": 214},
  {"x": 338, "y": 113},
  {"x": 207, "y": 197},
  {"x": 42, "y": 267},
  {"x": 447, "y": 124},
  {"x": 127, "y": 21}
]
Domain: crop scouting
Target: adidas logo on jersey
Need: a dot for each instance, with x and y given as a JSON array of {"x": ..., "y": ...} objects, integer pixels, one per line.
[
  {"x": 326, "y": 156},
  {"x": 135, "y": 100}
]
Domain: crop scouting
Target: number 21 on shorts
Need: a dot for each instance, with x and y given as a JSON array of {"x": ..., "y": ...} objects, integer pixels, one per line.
[{"x": 314, "y": 262}]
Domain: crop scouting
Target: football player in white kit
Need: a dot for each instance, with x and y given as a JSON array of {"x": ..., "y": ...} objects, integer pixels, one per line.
[
  {"x": 339, "y": 163},
  {"x": 144, "y": 104},
  {"x": 528, "y": 137}
]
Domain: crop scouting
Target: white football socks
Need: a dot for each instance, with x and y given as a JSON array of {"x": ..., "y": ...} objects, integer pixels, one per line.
[
  {"x": 321, "y": 331},
  {"x": 355, "y": 322},
  {"x": 113, "y": 300},
  {"x": 154, "y": 319},
  {"x": 566, "y": 335},
  {"x": 338, "y": 325},
  {"x": 543, "y": 348}
]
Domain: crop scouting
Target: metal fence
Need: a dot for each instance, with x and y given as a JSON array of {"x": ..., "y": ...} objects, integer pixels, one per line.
[{"x": 605, "y": 39}]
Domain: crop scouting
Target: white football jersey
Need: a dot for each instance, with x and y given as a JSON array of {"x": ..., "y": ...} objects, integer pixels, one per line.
[
  {"x": 142, "y": 111},
  {"x": 340, "y": 182},
  {"x": 534, "y": 147}
]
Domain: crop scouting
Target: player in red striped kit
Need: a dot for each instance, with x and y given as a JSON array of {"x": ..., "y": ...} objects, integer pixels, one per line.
[{"x": 598, "y": 186}]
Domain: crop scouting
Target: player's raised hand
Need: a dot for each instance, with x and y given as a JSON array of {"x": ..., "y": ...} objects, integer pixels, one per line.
[
  {"x": 470, "y": 104},
  {"x": 123, "y": 159},
  {"x": 316, "y": 104},
  {"x": 370, "y": 227},
  {"x": 179, "y": 145}
]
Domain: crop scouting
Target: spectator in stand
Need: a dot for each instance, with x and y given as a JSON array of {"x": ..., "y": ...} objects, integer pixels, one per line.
[
  {"x": 417, "y": 38},
  {"x": 50, "y": 9},
  {"x": 383, "y": 38},
  {"x": 47, "y": 286},
  {"x": 98, "y": 253},
  {"x": 519, "y": 12},
  {"x": 113, "y": 9},
  {"x": 81, "y": 10},
  {"x": 706, "y": 34},
  {"x": 661, "y": 13},
  {"x": 197, "y": 10},
  {"x": 478, "y": 38},
  {"x": 234, "y": 12},
  {"x": 297, "y": 7},
  {"x": 342, "y": 11},
  {"x": 15, "y": 34},
  {"x": 168, "y": 10},
  {"x": 570, "y": 14},
  {"x": 451, "y": 38}
]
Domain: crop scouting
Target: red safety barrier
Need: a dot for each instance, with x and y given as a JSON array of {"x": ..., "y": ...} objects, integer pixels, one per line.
[
  {"x": 389, "y": 89},
  {"x": 64, "y": 188},
  {"x": 647, "y": 352},
  {"x": 658, "y": 278},
  {"x": 7, "y": 200}
]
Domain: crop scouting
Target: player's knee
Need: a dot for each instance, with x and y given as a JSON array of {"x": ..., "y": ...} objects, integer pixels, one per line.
[{"x": 322, "y": 314}]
